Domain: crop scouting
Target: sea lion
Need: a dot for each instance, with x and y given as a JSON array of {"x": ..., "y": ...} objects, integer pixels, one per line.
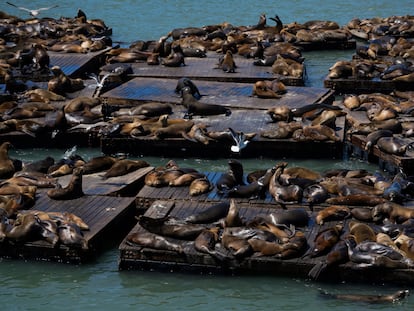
[
  {"x": 72, "y": 191},
  {"x": 7, "y": 168},
  {"x": 373, "y": 137},
  {"x": 233, "y": 218},
  {"x": 406, "y": 244},
  {"x": 41, "y": 166},
  {"x": 123, "y": 167},
  {"x": 186, "y": 82},
  {"x": 296, "y": 216},
  {"x": 315, "y": 194},
  {"x": 227, "y": 63},
  {"x": 195, "y": 107},
  {"x": 333, "y": 212},
  {"x": 356, "y": 199},
  {"x": 70, "y": 234},
  {"x": 210, "y": 214},
  {"x": 255, "y": 189},
  {"x": 269, "y": 89},
  {"x": 206, "y": 242},
  {"x": 43, "y": 95},
  {"x": 98, "y": 164},
  {"x": 379, "y": 298},
  {"x": 395, "y": 212},
  {"x": 280, "y": 113},
  {"x": 361, "y": 232},
  {"x": 325, "y": 240},
  {"x": 62, "y": 84},
  {"x": 393, "y": 145},
  {"x": 200, "y": 185},
  {"x": 284, "y": 194},
  {"x": 362, "y": 214},
  {"x": 231, "y": 178},
  {"x": 185, "y": 179},
  {"x": 171, "y": 227},
  {"x": 151, "y": 240},
  {"x": 176, "y": 58}
]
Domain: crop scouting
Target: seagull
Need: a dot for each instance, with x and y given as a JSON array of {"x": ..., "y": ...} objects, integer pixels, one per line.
[
  {"x": 33, "y": 13},
  {"x": 240, "y": 139},
  {"x": 99, "y": 82}
]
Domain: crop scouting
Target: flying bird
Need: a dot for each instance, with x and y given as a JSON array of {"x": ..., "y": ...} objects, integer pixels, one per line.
[
  {"x": 240, "y": 139},
  {"x": 34, "y": 12}
]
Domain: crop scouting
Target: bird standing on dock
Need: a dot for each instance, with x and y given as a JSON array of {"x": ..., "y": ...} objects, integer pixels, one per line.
[{"x": 33, "y": 12}]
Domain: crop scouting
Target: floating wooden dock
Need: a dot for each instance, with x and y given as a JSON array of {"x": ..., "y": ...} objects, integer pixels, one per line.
[
  {"x": 135, "y": 257},
  {"x": 108, "y": 207}
]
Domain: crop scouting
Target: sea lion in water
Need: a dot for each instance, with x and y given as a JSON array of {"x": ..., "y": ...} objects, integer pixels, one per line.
[
  {"x": 72, "y": 191},
  {"x": 394, "y": 297}
]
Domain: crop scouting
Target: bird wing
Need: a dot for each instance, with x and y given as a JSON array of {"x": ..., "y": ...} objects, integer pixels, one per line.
[
  {"x": 47, "y": 8},
  {"x": 19, "y": 7}
]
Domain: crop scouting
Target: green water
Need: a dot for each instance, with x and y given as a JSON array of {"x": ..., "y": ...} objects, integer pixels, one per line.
[{"x": 99, "y": 285}]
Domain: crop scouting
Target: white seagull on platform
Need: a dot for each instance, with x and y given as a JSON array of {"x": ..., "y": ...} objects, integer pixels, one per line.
[{"x": 35, "y": 12}]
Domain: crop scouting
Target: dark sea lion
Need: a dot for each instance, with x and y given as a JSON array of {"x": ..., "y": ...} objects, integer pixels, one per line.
[
  {"x": 232, "y": 177},
  {"x": 325, "y": 240},
  {"x": 40, "y": 165},
  {"x": 71, "y": 235},
  {"x": 210, "y": 214},
  {"x": 356, "y": 199},
  {"x": 362, "y": 214},
  {"x": 155, "y": 241},
  {"x": 333, "y": 212},
  {"x": 315, "y": 194},
  {"x": 123, "y": 167},
  {"x": 175, "y": 59},
  {"x": 200, "y": 186},
  {"x": 195, "y": 107},
  {"x": 373, "y": 137},
  {"x": 296, "y": 216},
  {"x": 7, "y": 168},
  {"x": 206, "y": 242},
  {"x": 255, "y": 189},
  {"x": 238, "y": 246},
  {"x": 186, "y": 82},
  {"x": 390, "y": 298},
  {"x": 170, "y": 227},
  {"x": 72, "y": 191}
]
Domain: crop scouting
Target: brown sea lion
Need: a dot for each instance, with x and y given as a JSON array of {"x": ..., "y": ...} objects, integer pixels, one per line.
[
  {"x": 325, "y": 240},
  {"x": 280, "y": 113},
  {"x": 284, "y": 194},
  {"x": 406, "y": 244},
  {"x": 206, "y": 242},
  {"x": 70, "y": 234},
  {"x": 175, "y": 59},
  {"x": 151, "y": 240},
  {"x": 7, "y": 168},
  {"x": 372, "y": 138},
  {"x": 356, "y": 199},
  {"x": 62, "y": 84},
  {"x": 185, "y": 179},
  {"x": 227, "y": 63},
  {"x": 200, "y": 186},
  {"x": 123, "y": 167},
  {"x": 98, "y": 164},
  {"x": 362, "y": 214},
  {"x": 72, "y": 191},
  {"x": 393, "y": 211},
  {"x": 269, "y": 89},
  {"x": 333, "y": 212},
  {"x": 43, "y": 95},
  {"x": 233, "y": 218},
  {"x": 361, "y": 232}
]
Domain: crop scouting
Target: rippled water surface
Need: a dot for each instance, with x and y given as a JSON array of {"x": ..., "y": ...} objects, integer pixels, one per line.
[{"x": 99, "y": 285}]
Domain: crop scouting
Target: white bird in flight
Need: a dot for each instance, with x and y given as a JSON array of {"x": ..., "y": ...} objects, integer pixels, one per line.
[{"x": 34, "y": 12}]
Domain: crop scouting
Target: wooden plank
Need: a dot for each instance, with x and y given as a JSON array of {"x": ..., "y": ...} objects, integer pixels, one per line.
[
  {"x": 206, "y": 69},
  {"x": 93, "y": 184},
  {"x": 230, "y": 94}
]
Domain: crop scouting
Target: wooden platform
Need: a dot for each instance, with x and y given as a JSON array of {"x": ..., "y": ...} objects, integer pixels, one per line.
[
  {"x": 108, "y": 217},
  {"x": 354, "y": 86},
  {"x": 132, "y": 257},
  {"x": 125, "y": 185},
  {"x": 206, "y": 69}
]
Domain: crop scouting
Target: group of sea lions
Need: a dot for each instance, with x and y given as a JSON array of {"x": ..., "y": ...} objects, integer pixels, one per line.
[
  {"x": 386, "y": 121},
  {"x": 20, "y": 185}
]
